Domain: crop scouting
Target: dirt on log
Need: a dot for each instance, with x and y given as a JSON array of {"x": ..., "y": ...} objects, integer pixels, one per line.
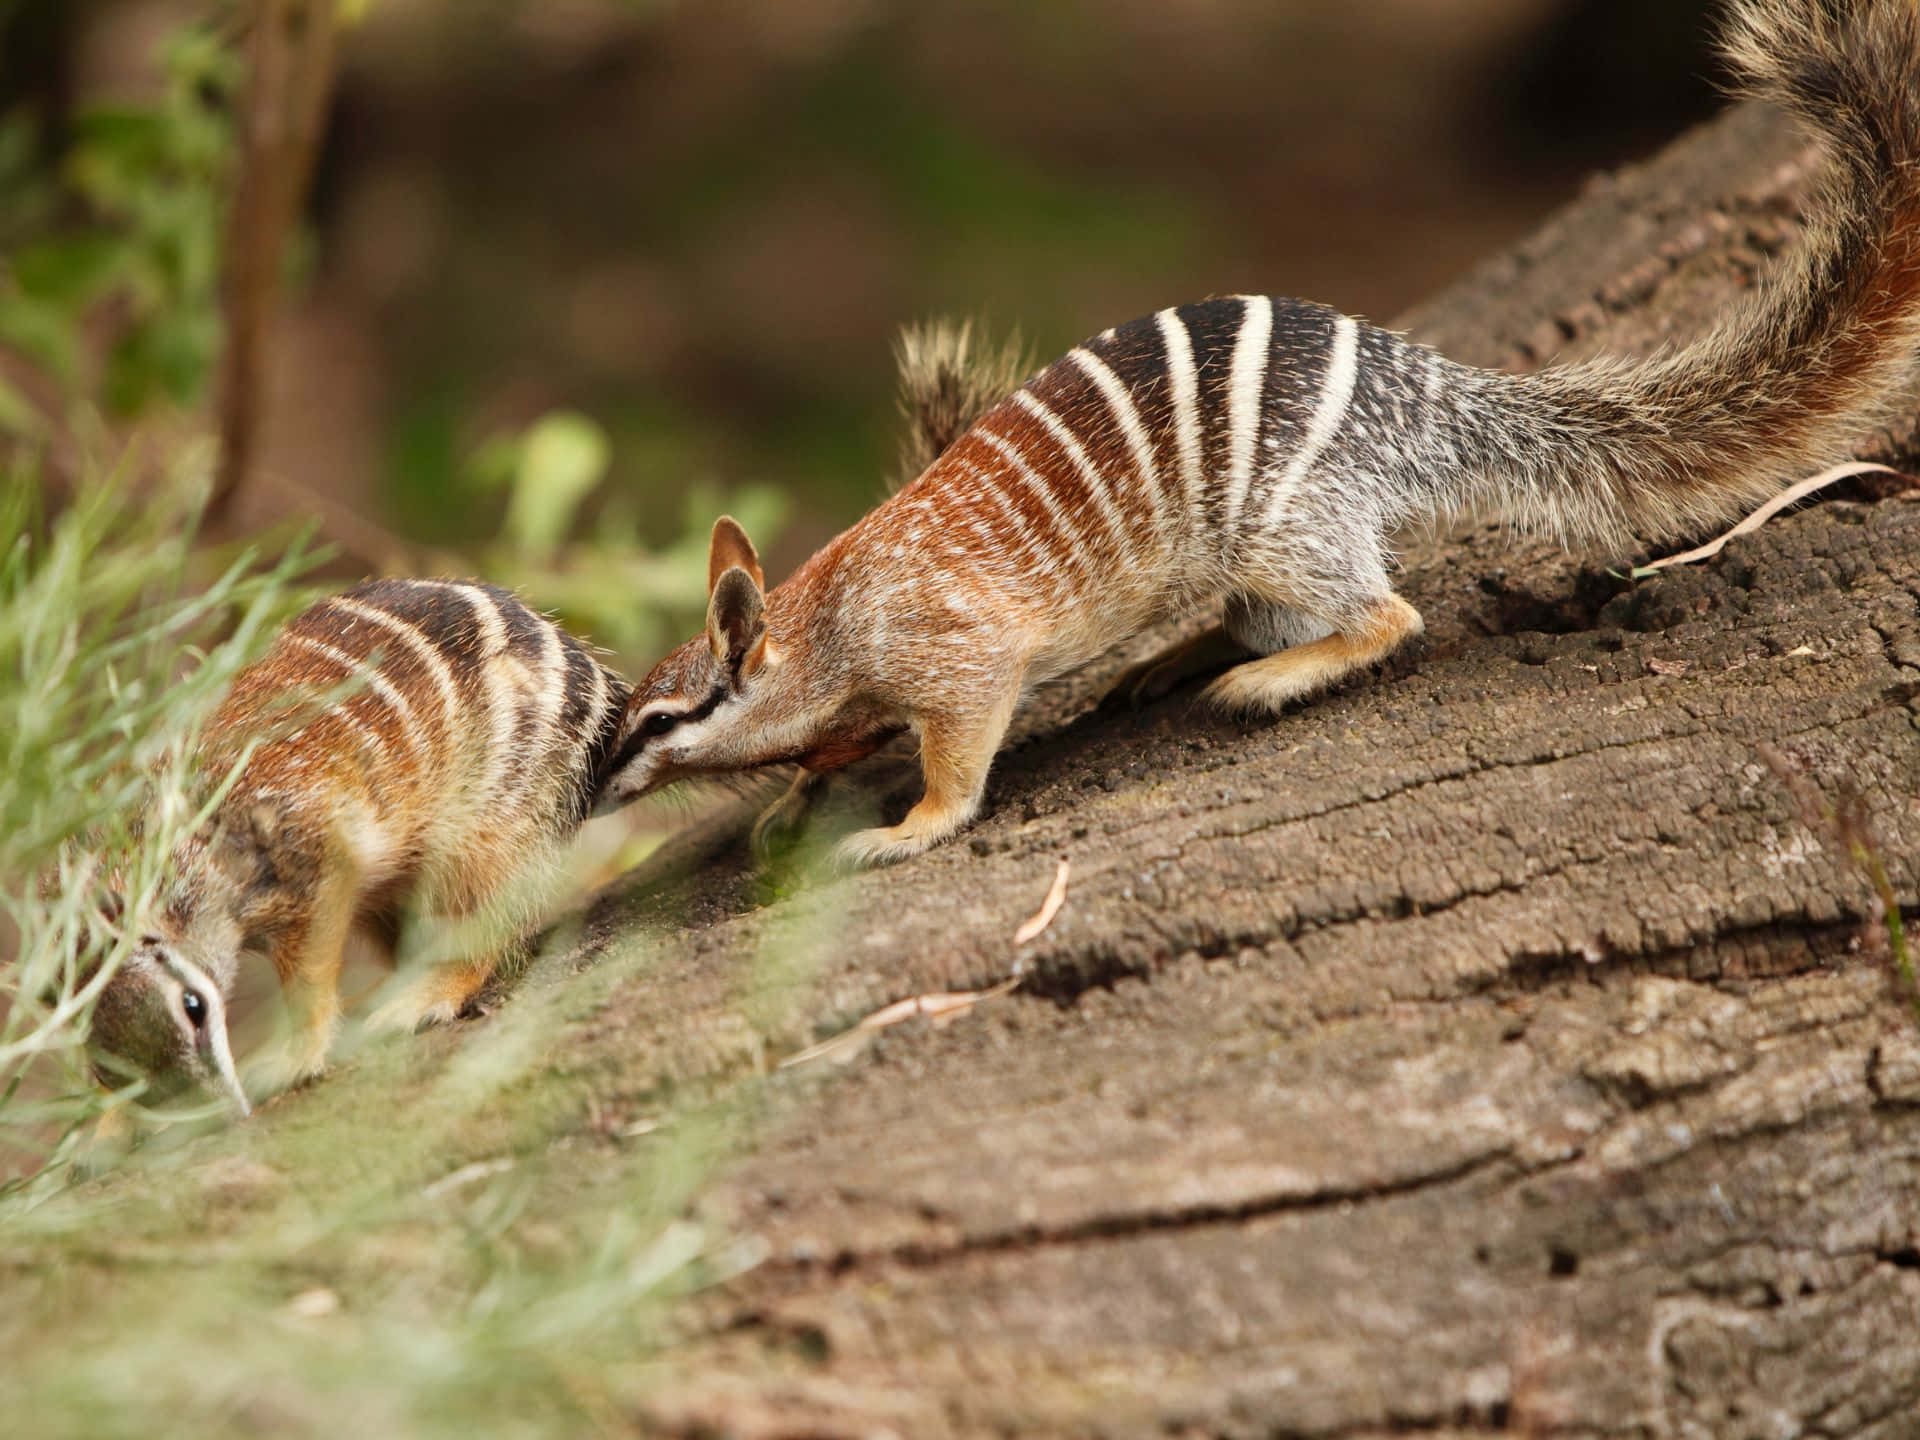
[{"x": 1489, "y": 1046}]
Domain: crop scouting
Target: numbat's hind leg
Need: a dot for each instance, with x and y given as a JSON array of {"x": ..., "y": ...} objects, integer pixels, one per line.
[
  {"x": 1266, "y": 685},
  {"x": 1252, "y": 627}
]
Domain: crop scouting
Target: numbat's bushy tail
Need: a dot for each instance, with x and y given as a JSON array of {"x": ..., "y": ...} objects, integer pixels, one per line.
[
  {"x": 1805, "y": 365},
  {"x": 948, "y": 379},
  {"x": 1263, "y": 451}
]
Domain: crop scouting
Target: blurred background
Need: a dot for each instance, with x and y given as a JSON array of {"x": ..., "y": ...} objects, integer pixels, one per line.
[{"x": 699, "y": 225}]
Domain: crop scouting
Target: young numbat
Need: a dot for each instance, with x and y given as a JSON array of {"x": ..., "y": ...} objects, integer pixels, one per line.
[
  {"x": 453, "y": 749},
  {"x": 1263, "y": 451}
]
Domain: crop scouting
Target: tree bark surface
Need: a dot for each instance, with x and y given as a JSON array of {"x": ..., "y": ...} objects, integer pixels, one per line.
[{"x": 1489, "y": 1045}]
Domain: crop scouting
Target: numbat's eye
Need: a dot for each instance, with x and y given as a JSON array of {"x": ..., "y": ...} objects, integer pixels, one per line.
[
  {"x": 659, "y": 722},
  {"x": 195, "y": 1007}
]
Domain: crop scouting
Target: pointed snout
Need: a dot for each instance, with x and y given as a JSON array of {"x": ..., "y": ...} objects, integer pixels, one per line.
[
  {"x": 217, "y": 1052},
  {"x": 237, "y": 1094}
]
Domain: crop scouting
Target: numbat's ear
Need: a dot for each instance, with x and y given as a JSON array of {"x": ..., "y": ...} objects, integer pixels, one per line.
[
  {"x": 730, "y": 549},
  {"x": 737, "y": 622}
]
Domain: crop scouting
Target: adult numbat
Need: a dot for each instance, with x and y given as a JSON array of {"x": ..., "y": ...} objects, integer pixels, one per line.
[
  {"x": 453, "y": 749},
  {"x": 1264, "y": 450}
]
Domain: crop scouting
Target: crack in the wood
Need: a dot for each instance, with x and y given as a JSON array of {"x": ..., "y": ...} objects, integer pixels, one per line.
[
  {"x": 1472, "y": 771},
  {"x": 1877, "y": 706},
  {"x": 1495, "y": 1419},
  {"x": 1064, "y": 980},
  {"x": 1096, "y": 1229},
  {"x": 1876, "y": 1085}
]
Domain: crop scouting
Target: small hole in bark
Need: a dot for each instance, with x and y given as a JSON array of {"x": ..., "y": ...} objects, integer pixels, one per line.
[
  {"x": 810, "y": 1343},
  {"x": 1499, "y": 1414},
  {"x": 1483, "y": 1255},
  {"x": 1561, "y": 1263},
  {"x": 1907, "y": 1259}
]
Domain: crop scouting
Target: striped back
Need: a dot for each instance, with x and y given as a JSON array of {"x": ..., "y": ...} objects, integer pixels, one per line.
[
  {"x": 1118, "y": 484},
  {"x": 463, "y": 710}
]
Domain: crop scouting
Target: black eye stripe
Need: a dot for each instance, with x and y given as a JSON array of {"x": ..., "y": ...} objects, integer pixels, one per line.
[
  {"x": 706, "y": 707},
  {"x": 637, "y": 741}
]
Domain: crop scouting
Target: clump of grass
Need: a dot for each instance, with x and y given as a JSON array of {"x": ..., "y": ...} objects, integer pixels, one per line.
[
  {"x": 117, "y": 638},
  {"x": 477, "y": 1267},
  {"x": 491, "y": 1260},
  {"x": 1843, "y": 821}
]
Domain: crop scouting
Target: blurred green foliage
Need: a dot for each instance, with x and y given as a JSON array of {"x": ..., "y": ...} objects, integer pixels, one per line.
[
  {"x": 131, "y": 219},
  {"x": 765, "y": 254},
  {"x": 119, "y": 630},
  {"x": 608, "y": 584}
]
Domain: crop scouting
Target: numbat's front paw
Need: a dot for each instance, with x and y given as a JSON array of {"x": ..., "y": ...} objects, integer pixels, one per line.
[
  {"x": 284, "y": 1067},
  {"x": 866, "y": 848},
  {"x": 408, "y": 1012},
  {"x": 921, "y": 830},
  {"x": 422, "y": 1003}
]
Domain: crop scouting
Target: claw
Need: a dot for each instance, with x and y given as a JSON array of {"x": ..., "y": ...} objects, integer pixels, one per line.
[
  {"x": 780, "y": 822},
  {"x": 1158, "y": 676}
]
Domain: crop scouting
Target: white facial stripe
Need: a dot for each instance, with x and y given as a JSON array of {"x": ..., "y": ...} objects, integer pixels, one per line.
[
  {"x": 1336, "y": 394},
  {"x": 676, "y": 706},
  {"x": 211, "y": 1034},
  {"x": 186, "y": 972},
  {"x": 221, "y": 1048},
  {"x": 1251, "y": 352},
  {"x": 422, "y": 648},
  {"x": 376, "y": 682},
  {"x": 635, "y": 773},
  {"x": 1186, "y": 401}
]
